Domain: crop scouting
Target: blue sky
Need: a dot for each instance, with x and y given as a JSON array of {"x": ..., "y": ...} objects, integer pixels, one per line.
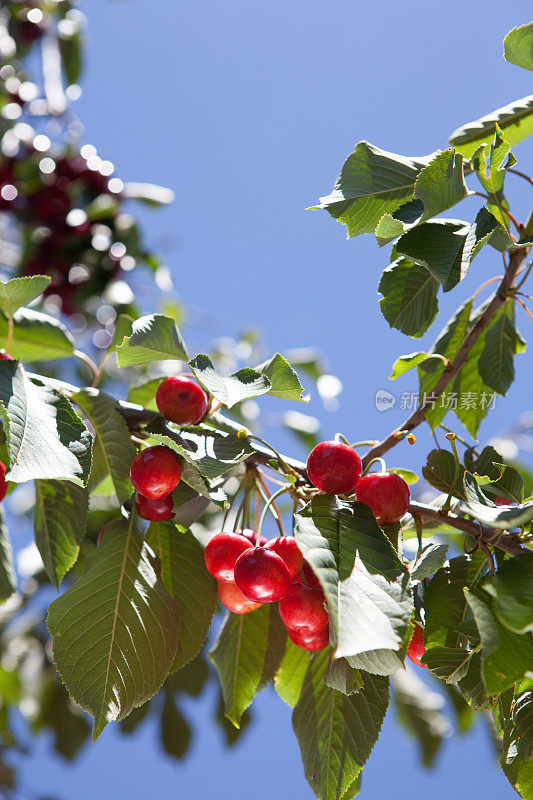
[{"x": 247, "y": 111}]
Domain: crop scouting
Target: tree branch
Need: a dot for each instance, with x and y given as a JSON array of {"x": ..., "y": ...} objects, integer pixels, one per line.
[
  {"x": 480, "y": 533},
  {"x": 516, "y": 259}
]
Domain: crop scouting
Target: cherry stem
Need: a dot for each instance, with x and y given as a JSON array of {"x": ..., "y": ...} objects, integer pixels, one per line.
[
  {"x": 274, "y": 511},
  {"x": 524, "y": 277},
  {"x": 367, "y": 443},
  {"x": 86, "y": 360},
  {"x": 239, "y": 512},
  {"x": 280, "y": 459},
  {"x": 451, "y": 438},
  {"x": 100, "y": 371},
  {"x": 521, "y": 174},
  {"x": 484, "y": 285},
  {"x": 459, "y": 438},
  {"x": 339, "y": 437},
  {"x": 376, "y": 460}
]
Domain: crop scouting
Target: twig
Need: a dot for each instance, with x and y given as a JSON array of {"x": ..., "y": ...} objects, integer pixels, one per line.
[
  {"x": 522, "y": 175},
  {"x": 515, "y": 261}
]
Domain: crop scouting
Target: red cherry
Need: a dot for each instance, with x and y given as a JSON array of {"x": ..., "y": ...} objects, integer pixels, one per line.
[
  {"x": 49, "y": 205},
  {"x": 5, "y": 356},
  {"x": 27, "y": 30},
  {"x": 154, "y": 510},
  {"x": 252, "y": 537},
  {"x": 310, "y": 577},
  {"x": 287, "y": 548},
  {"x": 155, "y": 471},
  {"x": 303, "y": 608},
  {"x": 234, "y": 600},
  {"x": 387, "y": 495},
  {"x": 262, "y": 575},
  {"x": 503, "y": 501},
  {"x": 310, "y": 641},
  {"x": 334, "y": 467},
  {"x": 416, "y": 648},
  {"x": 221, "y": 553},
  {"x": 181, "y": 400},
  {"x": 4, "y": 485}
]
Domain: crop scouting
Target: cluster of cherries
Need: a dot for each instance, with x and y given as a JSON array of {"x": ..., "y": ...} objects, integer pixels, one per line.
[
  {"x": 251, "y": 571},
  {"x": 156, "y": 471}
]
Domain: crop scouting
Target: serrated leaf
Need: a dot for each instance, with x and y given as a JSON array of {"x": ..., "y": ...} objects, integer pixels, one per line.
[
  {"x": 515, "y": 731},
  {"x": 291, "y": 673},
  {"x": 61, "y": 511},
  {"x": 522, "y": 716},
  {"x": 8, "y": 577},
  {"x": 502, "y": 342},
  {"x": 505, "y": 656},
  {"x": 113, "y": 442},
  {"x": 284, "y": 381},
  {"x": 409, "y": 297},
  {"x": 36, "y": 336},
  {"x": 407, "y": 474},
  {"x": 515, "y": 121},
  {"x": 443, "y": 474},
  {"x": 408, "y": 362},
  {"x": 229, "y": 389},
  {"x": 21, "y": 291},
  {"x": 45, "y": 437},
  {"x": 116, "y": 631},
  {"x": 337, "y": 733},
  {"x": 247, "y": 654},
  {"x": 502, "y": 517},
  {"x": 447, "y": 247},
  {"x": 512, "y": 590},
  {"x": 449, "y": 664},
  {"x": 365, "y": 584},
  {"x": 123, "y": 328},
  {"x": 372, "y": 183},
  {"x": 428, "y": 561},
  {"x": 185, "y": 577},
  {"x": 518, "y": 46},
  {"x": 491, "y": 174},
  {"x": 447, "y": 345},
  {"x": 153, "y": 338},
  {"x": 420, "y": 711},
  {"x": 190, "y": 473}
]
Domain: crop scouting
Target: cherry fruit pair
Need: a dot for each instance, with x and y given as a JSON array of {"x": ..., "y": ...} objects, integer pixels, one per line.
[
  {"x": 155, "y": 472},
  {"x": 336, "y": 468}
]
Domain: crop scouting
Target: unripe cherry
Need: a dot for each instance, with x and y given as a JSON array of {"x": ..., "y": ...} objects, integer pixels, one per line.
[
  {"x": 302, "y": 608},
  {"x": 180, "y": 400},
  {"x": 287, "y": 548},
  {"x": 4, "y": 485},
  {"x": 154, "y": 510},
  {"x": 416, "y": 648},
  {"x": 333, "y": 467},
  {"x": 221, "y": 553},
  {"x": 262, "y": 575},
  {"x": 310, "y": 641},
  {"x": 156, "y": 471},
  {"x": 386, "y": 493},
  {"x": 231, "y": 596}
]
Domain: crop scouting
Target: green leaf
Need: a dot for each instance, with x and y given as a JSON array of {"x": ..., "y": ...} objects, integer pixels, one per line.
[
  {"x": 447, "y": 247},
  {"x": 153, "y": 338},
  {"x": 515, "y": 121},
  {"x": 284, "y": 381},
  {"x": 230, "y": 389},
  {"x": 518, "y": 46},
  {"x": 291, "y": 673},
  {"x": 372, "y": 183},
  {"x": 113, "y": 442},
  {"x": 45, "y": 437},
  {"x": 442, "y": 473},
  {"x": 365, "y": 584},
  {"x": 123, "y": 328},
  {"x": 505, "y": 656},
  {"x": 491, "y": 173},
  {"x": 143, "y": 393},
  {"x": 247, "y": 654},
  {"x": 185, "y": 577},
  {"x": 408, "y": 475},
  {"x": 190, "y": 473},
  {"x": 512, "y": 590},
  {"x": 21, "y": 291},
  {"x": 61, "y": 511},
  {"x": 502, "y": 342},
  {"x": 447, "y": 345},
  {"x": 428, "y": 561},
  {"x": 341, "y": 676},
  {"x": 116, "y": 631},
  {"x": 522, "y": 716},
  {"x": 407, "y": 362},
  {"x": 503, "y": 517},
  {"x": 8, "y": 578},
  {"x": 420, "y": 712},
  {"x": 337, "y": 733},
  {"x": 409, "y": 297},
  {"x": 449, "y": 664},
  {"x": 36, "y": 337}
]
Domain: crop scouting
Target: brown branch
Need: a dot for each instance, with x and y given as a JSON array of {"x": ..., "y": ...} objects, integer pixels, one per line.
[
  {"x": 418, "y": 416},
  {"x": 480, "y": 533}
]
